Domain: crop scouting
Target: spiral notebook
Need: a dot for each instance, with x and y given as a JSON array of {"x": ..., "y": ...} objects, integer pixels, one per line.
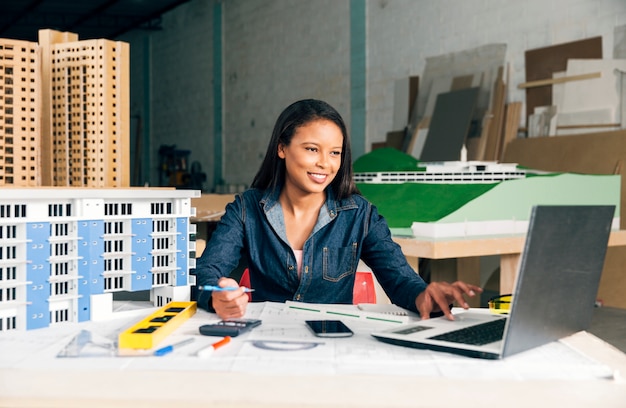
[
  {"x": 554, "y": 295},
  {"x": 388, "y": 308},
  {"x": 348, "y": 312}
]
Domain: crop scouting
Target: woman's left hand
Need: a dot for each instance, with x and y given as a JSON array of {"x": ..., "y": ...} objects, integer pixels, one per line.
[{"x": 439, "y": 295}]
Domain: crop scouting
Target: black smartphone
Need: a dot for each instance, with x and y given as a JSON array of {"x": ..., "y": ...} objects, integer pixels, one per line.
[
  {"x": 229, "y": 327},
  {"x": 329, "y": 328}
]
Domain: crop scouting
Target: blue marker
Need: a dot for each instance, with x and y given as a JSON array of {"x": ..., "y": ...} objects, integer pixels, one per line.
[
  {"x": 221, "y": 289},
  {"x": 168, "y": 349}
]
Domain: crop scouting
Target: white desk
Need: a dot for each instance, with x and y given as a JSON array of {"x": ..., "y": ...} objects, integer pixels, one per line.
[{"x": 355, "y": 372}]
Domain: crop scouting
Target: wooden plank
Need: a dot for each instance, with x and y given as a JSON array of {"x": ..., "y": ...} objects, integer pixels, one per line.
[
  {"x": 589, "y": 125},
  {"x": 416, "y": 143},
  {"x": 495, "y": 127},
  {"x": 513, "y": 113},
  {"x": 559, "y": 80}
]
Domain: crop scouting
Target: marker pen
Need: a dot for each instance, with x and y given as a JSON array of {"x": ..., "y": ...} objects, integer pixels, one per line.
[{"x": 206, "y": 352}]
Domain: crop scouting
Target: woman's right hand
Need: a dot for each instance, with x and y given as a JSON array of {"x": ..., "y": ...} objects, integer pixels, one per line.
[{"x": 229, "y": 304}]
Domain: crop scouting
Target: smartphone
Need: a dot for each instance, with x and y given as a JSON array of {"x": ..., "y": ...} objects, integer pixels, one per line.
[
  {"x": 229, "y": 327},
  {"x": 329, "y": 328}
]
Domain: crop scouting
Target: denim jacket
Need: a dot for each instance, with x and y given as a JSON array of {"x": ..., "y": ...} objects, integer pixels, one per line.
[{"x": 346, "y": 231}]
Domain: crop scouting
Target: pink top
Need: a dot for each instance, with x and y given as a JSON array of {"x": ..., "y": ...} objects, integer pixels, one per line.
[{"x": 298, "y": 254}]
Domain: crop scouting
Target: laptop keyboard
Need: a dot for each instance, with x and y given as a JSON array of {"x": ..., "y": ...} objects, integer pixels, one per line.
[{"x": 478, "y": 335}]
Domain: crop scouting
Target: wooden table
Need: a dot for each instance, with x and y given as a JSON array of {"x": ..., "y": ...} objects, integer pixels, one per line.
[{"x": 469, "y": 249}]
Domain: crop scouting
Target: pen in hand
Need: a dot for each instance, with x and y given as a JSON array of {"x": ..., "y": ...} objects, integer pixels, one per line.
[
  {"x": 222, "y": 289},
  {"x": 205, "y": 352},
  {"x": 168, "y": 349}
]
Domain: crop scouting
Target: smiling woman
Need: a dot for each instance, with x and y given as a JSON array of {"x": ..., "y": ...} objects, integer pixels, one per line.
[
  {"x": 303, "y": 227},
  {"x": 312, "y": 160}
]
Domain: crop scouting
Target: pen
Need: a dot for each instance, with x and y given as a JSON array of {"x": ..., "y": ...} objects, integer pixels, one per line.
[
  {"x": 221, "y": 289},
  {"x": 168, "y": 349},
  {"x": 205, "y": 352}
]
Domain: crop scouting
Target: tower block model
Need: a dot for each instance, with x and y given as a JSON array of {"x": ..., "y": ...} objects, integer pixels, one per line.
[
  {"x": 20, "y": 113},
  {"x": 69, "y": 107}
]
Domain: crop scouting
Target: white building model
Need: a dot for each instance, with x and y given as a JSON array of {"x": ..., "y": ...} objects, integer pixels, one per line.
[
  {"x": 450, "y": 172},
  {"x": 64, "y": 251}
]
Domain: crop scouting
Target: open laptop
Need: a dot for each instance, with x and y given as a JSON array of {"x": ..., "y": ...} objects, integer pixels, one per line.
[{"x": 555, "y": 291}]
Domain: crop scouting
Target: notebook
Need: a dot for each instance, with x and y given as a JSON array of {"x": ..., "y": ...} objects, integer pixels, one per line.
[{"x": 555, "y": 290}]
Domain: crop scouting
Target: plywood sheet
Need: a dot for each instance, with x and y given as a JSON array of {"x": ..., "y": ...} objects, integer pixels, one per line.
[
  {"x": 594, "y": 94},
  {"x": 541, "y": 63},
  {"x": 591, "y": 153}
]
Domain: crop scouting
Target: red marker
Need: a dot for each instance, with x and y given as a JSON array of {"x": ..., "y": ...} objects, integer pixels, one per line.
[{"x": 209, "y": 350}]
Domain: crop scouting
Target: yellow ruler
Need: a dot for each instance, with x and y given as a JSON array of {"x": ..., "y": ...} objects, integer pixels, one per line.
[{"x": 153, "y": 329}]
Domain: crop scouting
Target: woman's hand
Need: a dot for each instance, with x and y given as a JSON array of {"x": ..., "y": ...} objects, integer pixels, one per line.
[
  {"x": 439, "y": 295},
  {"x": 229, "y": 304}
]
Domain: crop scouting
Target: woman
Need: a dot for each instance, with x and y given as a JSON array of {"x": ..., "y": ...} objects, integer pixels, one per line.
[{"x": 303, "y": 226}]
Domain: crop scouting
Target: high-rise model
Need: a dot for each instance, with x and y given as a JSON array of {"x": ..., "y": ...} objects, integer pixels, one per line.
[{"x": 64, "y": 112}]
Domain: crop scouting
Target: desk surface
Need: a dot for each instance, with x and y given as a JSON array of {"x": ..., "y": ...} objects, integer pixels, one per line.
[
  {"x": 350, "y": 372},
  {"x": 475, "y": 246},
  {"x": 210, "y": 207},
  {"x": 509, "y": 248}
]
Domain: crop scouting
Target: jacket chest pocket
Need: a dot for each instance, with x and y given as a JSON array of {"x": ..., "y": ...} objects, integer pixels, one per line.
[{"x": 339, "y": 262}]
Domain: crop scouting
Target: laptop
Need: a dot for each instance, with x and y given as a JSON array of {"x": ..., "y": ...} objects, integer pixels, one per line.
[{"x": 555, "y": 290}]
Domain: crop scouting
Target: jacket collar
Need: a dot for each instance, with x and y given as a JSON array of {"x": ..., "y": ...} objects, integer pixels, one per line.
[{"x": 269, "y": 202}]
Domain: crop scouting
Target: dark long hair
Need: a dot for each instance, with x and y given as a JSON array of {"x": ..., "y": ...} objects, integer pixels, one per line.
[{"x": 271, "y": 175}]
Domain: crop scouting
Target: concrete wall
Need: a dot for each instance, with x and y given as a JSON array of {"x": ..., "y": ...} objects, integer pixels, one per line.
[{"x": 277, "y": 51}]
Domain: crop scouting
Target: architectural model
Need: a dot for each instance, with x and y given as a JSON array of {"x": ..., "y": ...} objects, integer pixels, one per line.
[
  {"x": 506, "y": 208},
  {"x": 457, "y": 198},
  {"x": 64, "y": 112},
  {"x": 451, "y": 172},
  {"x": 65, "y": 251}
]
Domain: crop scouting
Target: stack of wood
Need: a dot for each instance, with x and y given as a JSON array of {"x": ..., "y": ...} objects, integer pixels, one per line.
[
  {"x": 571, "y": 89},
  {"x": 459, "y": 106}
]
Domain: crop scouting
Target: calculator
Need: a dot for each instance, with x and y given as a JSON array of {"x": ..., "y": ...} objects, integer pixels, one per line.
[{"x": 229, "y": 327}]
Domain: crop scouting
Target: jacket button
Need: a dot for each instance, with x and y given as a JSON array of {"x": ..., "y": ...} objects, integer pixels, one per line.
[{"x": 291, "y": 267}]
